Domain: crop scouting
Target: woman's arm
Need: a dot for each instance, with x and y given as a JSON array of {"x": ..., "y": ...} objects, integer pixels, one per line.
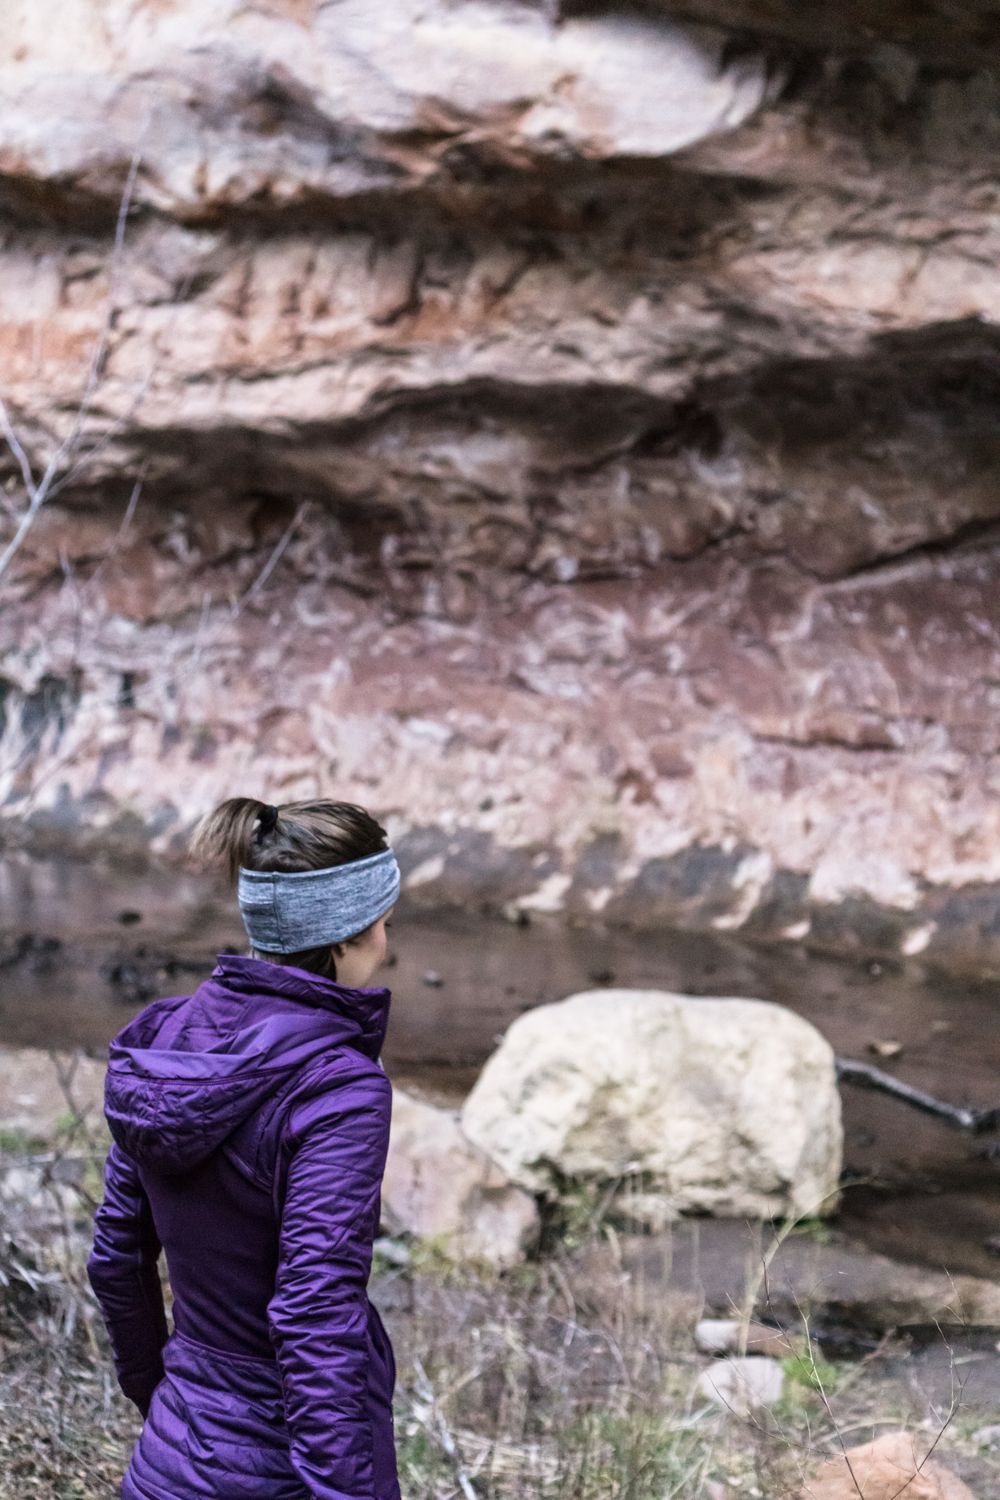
[
  {"x": 318, "y": 1316},
  {"x": 122, "y": 1269}
]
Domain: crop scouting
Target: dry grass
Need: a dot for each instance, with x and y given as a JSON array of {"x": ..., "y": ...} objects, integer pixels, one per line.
[
  {"x": 64, "y": 1427},
  {"x": 570, "y": 1379}
]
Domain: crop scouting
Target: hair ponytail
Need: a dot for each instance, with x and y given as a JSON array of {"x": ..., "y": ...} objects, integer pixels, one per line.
[
  {"x": 243, "y": 831},
  {"x": 227, "y": 835}
]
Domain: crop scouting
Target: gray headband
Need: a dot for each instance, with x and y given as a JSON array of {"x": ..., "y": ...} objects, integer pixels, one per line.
[{"x": 289, "y": 913}]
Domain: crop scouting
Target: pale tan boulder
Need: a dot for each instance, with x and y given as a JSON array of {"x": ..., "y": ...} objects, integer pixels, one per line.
[
  {"x": 893, "y": 1465},
  {"x": 743, "y": 1385},
  {"x": 728, "y": 1106},
  {"x": 439, "y": 1186}
]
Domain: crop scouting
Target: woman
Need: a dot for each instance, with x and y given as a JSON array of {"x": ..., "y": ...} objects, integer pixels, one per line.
[{"x": 250, "y": 1123}]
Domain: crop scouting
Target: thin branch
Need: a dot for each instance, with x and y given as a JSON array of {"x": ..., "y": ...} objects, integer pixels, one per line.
[
  {"x": 23, "y": 527},
  {"x": 101, "y": 346},
  {"x": 119, "y": 535},
  {"x": 435, "y": 1423},
  {"x": 272, "y": 561},
  {"x": 863, "y": 1076},
  {"x": 821, "y": 1388},
  {"x": 40, "y": 492},
  {"x": 941, "y": 1432},
  {"x": 14, "y": 444},
  {"x": 86, "y": 456}
]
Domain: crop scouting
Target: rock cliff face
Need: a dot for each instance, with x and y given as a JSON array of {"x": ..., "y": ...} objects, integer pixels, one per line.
[{"x": 572, "y": 433}]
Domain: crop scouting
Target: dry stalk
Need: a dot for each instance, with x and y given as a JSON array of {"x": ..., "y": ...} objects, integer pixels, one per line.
[
  {"x": 65, "y": 458},
  {"x": 432, "y": 1419}
]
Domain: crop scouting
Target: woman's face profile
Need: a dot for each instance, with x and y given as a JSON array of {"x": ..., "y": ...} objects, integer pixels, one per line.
[{"x": 358, "y": 958}]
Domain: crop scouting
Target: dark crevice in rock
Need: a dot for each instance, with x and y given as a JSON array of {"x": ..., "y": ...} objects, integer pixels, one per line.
[
  {"x": 581, "y": 197},
  {"x": 821, "y": 742},
  {"x": 30, "y": 203},
  {"x": 966, "y": 34},
  {"x": 971, "y": 537}
]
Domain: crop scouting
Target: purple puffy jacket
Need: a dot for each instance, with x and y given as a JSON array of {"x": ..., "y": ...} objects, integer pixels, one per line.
[{"x": 250, "y": 1124}]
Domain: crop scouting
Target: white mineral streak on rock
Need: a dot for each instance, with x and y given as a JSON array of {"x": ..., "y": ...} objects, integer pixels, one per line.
[
  {"x": 547, "y": 896},
  {"x": 844, "y": 871},
  {"x": 796, "y": 931},
  {"x": 725, "y": 1105},
  {"x": 917, "y": 939},
  {"x": 749, "y": 880},
  {"x": 598, "y": 900},
  {"x": 428, "y": 869}
]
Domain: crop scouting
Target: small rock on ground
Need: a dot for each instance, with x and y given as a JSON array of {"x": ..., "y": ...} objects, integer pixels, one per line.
[
  {"x": 439, "y": 1186},
  {"x": 743, "y": 1385},
  {"x": 725, "y": 1336},
  {"x": 893, "y": 1465}
]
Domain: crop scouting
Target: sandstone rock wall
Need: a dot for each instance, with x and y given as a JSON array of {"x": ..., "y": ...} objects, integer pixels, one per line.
[{"x": 571, "y": 432}]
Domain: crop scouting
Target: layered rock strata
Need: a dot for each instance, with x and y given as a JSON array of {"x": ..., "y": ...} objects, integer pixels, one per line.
[{"x": 571, "y": 433}]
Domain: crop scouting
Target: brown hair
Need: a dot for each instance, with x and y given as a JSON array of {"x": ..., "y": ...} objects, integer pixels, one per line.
[{"x": 243, "y": 832}]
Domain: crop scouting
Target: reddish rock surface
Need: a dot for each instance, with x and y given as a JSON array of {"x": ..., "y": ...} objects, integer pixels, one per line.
[
  {"x": 571, "y": 434},
  {"x": 893, "y": 1465},
  {"x": 440, "y": 1188}
]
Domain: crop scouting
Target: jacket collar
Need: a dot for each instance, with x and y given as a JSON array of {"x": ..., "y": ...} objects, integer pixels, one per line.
[{"x": 366, "y": 1009}]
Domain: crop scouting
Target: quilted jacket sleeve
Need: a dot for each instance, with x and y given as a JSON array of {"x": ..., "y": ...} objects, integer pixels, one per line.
[
  {"x": 122, "y": 1268},
  {"x": 337, "y": 1143}
]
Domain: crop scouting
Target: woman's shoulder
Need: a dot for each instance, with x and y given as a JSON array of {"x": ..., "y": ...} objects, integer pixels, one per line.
[
  {"x": 142, "y": 1029},
  {"x": 340, "y": 1086}
]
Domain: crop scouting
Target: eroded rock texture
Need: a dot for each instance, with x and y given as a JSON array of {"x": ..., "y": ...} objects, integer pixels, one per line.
[
  {"x": 728, "y": 1107},
  {"x": 571, "y": 432}
]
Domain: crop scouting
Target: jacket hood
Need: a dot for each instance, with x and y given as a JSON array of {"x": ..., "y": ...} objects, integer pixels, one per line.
[{"x": 189, "y": 1070}]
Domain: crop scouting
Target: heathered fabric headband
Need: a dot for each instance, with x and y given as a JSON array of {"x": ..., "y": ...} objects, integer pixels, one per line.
[{"x": 288, "y": 913}]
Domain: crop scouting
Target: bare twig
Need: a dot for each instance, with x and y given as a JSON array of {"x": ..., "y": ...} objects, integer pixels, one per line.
[
  {"x": 100, "y": 349},
  {"x": 38, "y": 492},
  {"x": 85, "y": 456},
  {"x": 817, "y": 1380},
  {"x": 14, "y": 444},
  {"x": 432, "y": 1419},
  {"x": 119, "y": 535},
  {"x": 272, "y": 562},
  {"x": 864, "y": 1076}
]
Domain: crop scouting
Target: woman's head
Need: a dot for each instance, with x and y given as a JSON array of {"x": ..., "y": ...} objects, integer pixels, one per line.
[{"x": 244, "y": 834}]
